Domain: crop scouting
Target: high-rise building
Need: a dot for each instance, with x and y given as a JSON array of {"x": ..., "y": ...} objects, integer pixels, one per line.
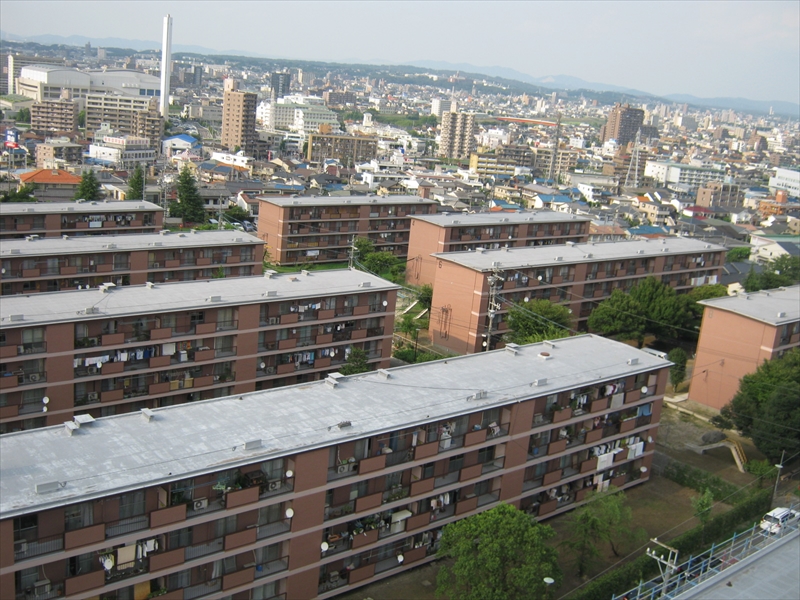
[
  {"x": 166, "y": 65},
  {"x": 238, "y": 118},
  {"x": 622, "y": 124},
  {"x": 439, "y": 106},
  {"x": 55, "y": 115},
  {"x": 279, "y": 82},
  {"x": 127, "y": 115},
  {"x": 458, "y": 135}
]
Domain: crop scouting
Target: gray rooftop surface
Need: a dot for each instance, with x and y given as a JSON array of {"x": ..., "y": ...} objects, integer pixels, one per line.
[
  {"x": 561, "y": 254},
  {"x": 499, "y": 218},
  {"x": 338, "y": 200},
  {"x": 115, "y": 454},
  {"x": 46, "y": 208},
  {"x": 69, "y": 306},
  {"x": 48, "y": 246},
  {"x": 775, "y": 307}
]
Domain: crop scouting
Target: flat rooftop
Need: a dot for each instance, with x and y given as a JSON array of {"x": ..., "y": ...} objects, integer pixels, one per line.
[
  {"x": 456, "y": 219},
  {"x": 119, "y": 453},
  {"x": 48, "y": 246},
  {"x": 339, "y": 200},
  {"x": 47, "y": 208},
  {"x": 563, "y": 254},
  {"x": 94, "y": 304},
  {"x": 774, "y": 307}
]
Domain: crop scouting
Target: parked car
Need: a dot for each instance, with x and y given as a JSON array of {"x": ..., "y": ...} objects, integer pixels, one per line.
[{"x": 778, "y": 519}]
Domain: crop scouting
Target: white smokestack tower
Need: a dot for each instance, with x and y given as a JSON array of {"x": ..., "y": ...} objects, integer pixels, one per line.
[{"x": 166, "y": 65}]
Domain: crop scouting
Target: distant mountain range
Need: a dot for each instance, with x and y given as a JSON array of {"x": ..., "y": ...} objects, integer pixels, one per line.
[{"x": 564, "y": 82}]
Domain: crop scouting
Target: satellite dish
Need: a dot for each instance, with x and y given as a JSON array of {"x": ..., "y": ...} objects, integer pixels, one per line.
[
  {"x": 549, "y": 580},
  {"x": 44, "y": 409},
  {"x": 385, "y": 303},
  {"x": 644, "y": 390},
  {"x": 324, "y": 546},
  {"x": 262, "y": 365},
  {"x": 539, "y": 278},
  {"x": 643, "y": 469},
  {"x": 527, "y": 298},
  {"x": 289, "y": 474},
  {"x": 289, "y": 513},
  {"x": 45, "y": 400},
  {"x": 400, "y": 558}
]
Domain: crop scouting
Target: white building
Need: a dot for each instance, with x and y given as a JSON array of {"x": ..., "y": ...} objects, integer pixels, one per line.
[
  {"x": 786, "y": 179},
  {"x": 123, "y": 151},
  {"x": 439, "y": 106},
  {"x": 667, "y": 173}
]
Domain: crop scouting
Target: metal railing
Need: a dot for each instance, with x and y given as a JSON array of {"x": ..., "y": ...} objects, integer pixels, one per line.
[
  {"x": 129, "y": 525},
  {"x": 26, "y": 549}
]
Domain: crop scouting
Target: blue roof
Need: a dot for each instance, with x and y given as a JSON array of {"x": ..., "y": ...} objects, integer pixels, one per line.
[
  {"x": 183, "y": 137},
  {"x": 647, "y": 229},
  {"x": 555, "y": 198},
  {"x": 287, "y": 186}
]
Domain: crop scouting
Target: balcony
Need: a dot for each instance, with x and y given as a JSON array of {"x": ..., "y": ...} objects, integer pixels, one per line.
[
  {"x": 27, "y": 549},
  {"x": 202, "y": 589},
  {"x": 48, "y": 592},
  {"x": 32, "y": 348},
  {"x": 126, "y": 526}
]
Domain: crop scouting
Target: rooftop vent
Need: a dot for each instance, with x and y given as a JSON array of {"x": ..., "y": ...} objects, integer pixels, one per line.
[
  {"x": 559, "y": 258},
  {"x": 16, "y": 317},
  {"x": 269, "y": 273},
  {"x": 164, "y": 232},
  {"x": 549, "y": 343},
  {"x": 148, "y": 414},
  {"x": 365, "y": 284},
  {"x": 16, "y": 251},
  {"x": 545, "y": 356},
  {"x": 781, "y": 314},
  {"x": 495, "y": 263},
  {"x": 64, "y": 237},
  {"x": 540, "y": 382},
  {"x": 31, "y": 238},
  {"x": 150, "y": 284},
  {"x": 589, "y": 255},
  {"x": 70, "y": 427},
  {"x": 109, "y": 246},
  {"x": 214, "y": 299},
  {"x": 633, "y": 361},
  {"x": 640, "y": 252},
  {"x": 512, "y": 348},
  {"x": 107, "y": 287},
  {"x": 479, "y": 395},
  {"x": 304, "y": 272},
  {"x": 83, "y": 420},
  {"x": 252, "y": 445},
  {"x": 344, "y": 424},
  {"x": 570, "y": 243},
  {"x": 91, "y": 310},
  {"x": 271, "y": 293},
  {"x": 384, "y": 374},
  {"x": 50, "y": 486}
]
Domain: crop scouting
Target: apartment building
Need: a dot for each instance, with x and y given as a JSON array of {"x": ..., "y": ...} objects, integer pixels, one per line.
[
  {"x": 484, "y": 164},
  {"x": 718, "y": 193},
  {"x": 115, "y": 349},
  {"x": 125, "y": 115},
  {"x": 441, "y": 106},
  {"x": 332, "y": 98},
  {"x": 520, "y": 155},
  {"x": 622, "y": 124},
  {"x": 300, "y": 231},
  {"x": 456, "y": 232},
  {"x": 737, "y": 334},
  {"x": 579, "y": 276},
  {"x": 50, "y": 264},
  {"x": 55, "y": 219},
  {"x": 566, "y": 160},
  {"x": 309, "y": 492},
  {"x": 55, "y": 153},
  {"x": 457, "y": 135},
  {"x": 122, "y": 152},
  {"x": 54, "y": 115},
  {"x": 238, "y": 119},
  {"x": 349, "y": 149},
  {"x": 667, "y": 172}
]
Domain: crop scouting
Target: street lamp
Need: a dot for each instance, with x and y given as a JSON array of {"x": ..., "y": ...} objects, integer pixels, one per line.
[{"x": 778, "y": 475}]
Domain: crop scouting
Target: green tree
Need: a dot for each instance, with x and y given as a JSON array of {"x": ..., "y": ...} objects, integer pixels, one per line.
[
  {"x": 529, "y": 320},
  {"x": 364, "y": 247},
  {"x": 425, "y": 296},
  {"x": 237, "y": 213},
  {"x": 762, "y": 469},
  {"x": 189, "y": 206},
  {"x": 136, "y": 184},
  {"x": 781, "y": 271},
  {"x": 406, "y": 324},
  {"x": 499, "y": 554},
  {"x": 765, "y": 408},
  {"x": 379, "y": 262},
  {"x": 738, "y": 254},
  {"x": 703, "y": 292},
  {"x": 88, "y": 188},
  {"x": 585, "y": 529},
  {"x": 82, "y": 119},
  {"x": 23, "y": 194},
  {"x": 24, "y": 115},
  {"x": 677, "y": 372},
  {"x": 666, "y": 312},
  {"x": 701, "y": 505},
  {"x": 356, "y": 362},
  {"x": 620, "y": 317}
]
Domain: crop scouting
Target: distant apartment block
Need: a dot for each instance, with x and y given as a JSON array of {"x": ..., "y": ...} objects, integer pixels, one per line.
[
  {"x": 719, "y": 194},
  {"x": 54, "y": 115},
  {"x": 56, "y": 153},
  {"x": 332, "y": 98},
  {"x": 666, "y": 173},
  {"x": 787, "y": 180},
  {"x": 622, "y": 124},
  {"x": 579, "y": 276},
  {"x": 279, "y": 82},
  {"x": 457, "y": 135},
  {"x": 50, "y": 264},
  {"x": 298, "y": 231},
  {"x": 54, "y": 219},
  {"x": 125, "y": 115},
  {"x": 314, "y": 491},
  {"x": 566, "y": 160},
  {"x": 111, "y": 350},
  {"x": 440, "y": 106},
  {"x": 349, "y": 149},
  {"x": 737, "y": 334},
  {"x": 520, "y": 155},
  {"x": 238, "y": 119},
  {"x": 455, "y": 232},
  {"x": 490, "y": 164}
]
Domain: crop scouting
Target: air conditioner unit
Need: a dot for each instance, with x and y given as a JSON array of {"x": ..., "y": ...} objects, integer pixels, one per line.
[
  {"x": 343, "y": 468},
  {"x": 274, "y": 485},
  {"x": 200, "y": 504},
  {"x": 34, "y": 377},
  {"x": 21, "y": 546},
  {"x": 270, "y": 370},
  {"x": 155, "y": 266},
  {"x": 42, "y": 587},
  {"x": 92, "y": 370},
  {"x": 274, "y": 320},
  {"x": 92, "y": 396}
]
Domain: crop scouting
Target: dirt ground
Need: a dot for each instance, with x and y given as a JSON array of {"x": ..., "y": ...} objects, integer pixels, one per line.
[{"x": 660, "y": 507}]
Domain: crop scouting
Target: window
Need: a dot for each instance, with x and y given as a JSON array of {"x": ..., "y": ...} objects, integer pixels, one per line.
[
  {"x": 223, "y": 527},
  {"x": 78, "y": 516},
  {"x": 131, "y": 505},
  {"x": 25, "y": 528}
]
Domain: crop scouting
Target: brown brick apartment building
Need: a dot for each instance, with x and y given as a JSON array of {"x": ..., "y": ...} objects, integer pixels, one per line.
[
  {"x": 737, "y": 335},
  {"x": 300, "y": 231},
  {"x": 56, "y": 264},
  {"x": 111, "y": 350},
  {"x": 308, "y": 492},
  {"x": 576, "y": 275},
  {"x": 456, "y": 232},
  {"x": 55, "y": 219}
]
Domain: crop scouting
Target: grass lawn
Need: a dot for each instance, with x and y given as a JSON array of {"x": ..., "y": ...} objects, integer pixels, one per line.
[{"x": 309, "y": 267}]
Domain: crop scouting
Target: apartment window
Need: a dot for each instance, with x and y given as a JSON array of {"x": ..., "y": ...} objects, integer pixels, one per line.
[
  {"x": 25, "y": 528},
  {"x": 83, "y": 563},
  {"x": 181, "y": 492},
  {"x": 131, "y": 505},
  {"x": 225, "y": 526},
  {"x": 78, "y": 516},
  {"x": 179, "y": 538}
]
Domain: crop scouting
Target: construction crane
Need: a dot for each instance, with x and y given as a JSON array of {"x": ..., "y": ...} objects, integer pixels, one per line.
[{"x": 557, "y": 124}]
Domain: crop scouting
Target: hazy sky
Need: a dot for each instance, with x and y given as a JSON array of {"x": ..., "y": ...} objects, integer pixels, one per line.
[{"x": 719, "y": 48}]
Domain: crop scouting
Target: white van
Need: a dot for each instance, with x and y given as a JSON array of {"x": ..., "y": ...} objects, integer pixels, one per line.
[{"x": 779, "y": 518}]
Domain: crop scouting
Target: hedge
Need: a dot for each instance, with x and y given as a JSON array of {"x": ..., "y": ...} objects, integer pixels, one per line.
[
  {"x": 718, "y": 529},
  {"x": 700, "y": 480}
]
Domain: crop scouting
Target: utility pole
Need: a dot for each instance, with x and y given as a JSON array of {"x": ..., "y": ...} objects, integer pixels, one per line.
[
  {"x": 352, "y": 253},
  {"x": 668, "y": 565},
  {"x": 494, "y": 279}
]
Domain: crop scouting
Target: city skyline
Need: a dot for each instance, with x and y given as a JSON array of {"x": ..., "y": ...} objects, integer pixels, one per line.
[{"x": 686, "y": 55}]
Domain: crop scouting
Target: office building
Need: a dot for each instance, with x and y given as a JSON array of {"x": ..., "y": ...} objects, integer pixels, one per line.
[
  {"x": 579, "y": 276},
  {"x": 622, "y": 124},
  {"x": 50, "y": 264},
  {"x": 737, "y": 335},
  {"x": 348, "y": 149},
  {"x": 439, "y": 233},
  {"x": 332, "y": 98},
  {"x": 16, "y": 62},
  {"x": 55, "y": 115},
  {"x": 279, "y": 82},
  {"x": 55, "y": 219},
  {"x": 457, "y": 135},
  {"x": 238, "y": 119},
  {"x": 111, "y": 349},
  {"x": 300, "y": 231},
  {"x": 309, "y": 492}
]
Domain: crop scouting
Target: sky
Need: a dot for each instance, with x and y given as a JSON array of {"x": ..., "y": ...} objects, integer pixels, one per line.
[{"x": 748, "y": 49}]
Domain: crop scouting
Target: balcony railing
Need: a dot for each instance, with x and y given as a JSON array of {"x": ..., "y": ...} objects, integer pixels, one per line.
[
  {"x": 204, "y": 549},
  {"x": 227, "y": 325},
  {"x": 26, "y": 549},
  {"x": 56, "y": 591},
  {"x": 202, "y": 589},
  {"x": 272, "y": 566},
  {"x": 125, "y": 526},
  {"x": 32, "y": 348}
]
